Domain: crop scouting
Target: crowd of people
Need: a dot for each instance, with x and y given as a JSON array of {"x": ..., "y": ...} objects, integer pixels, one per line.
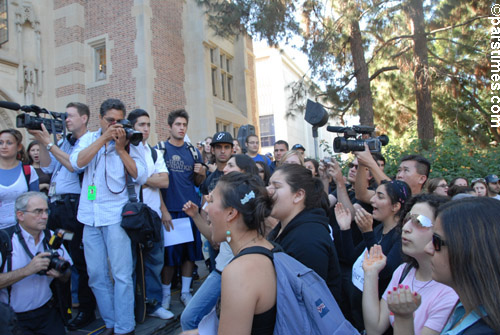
[{"x": 401, "y": 255}]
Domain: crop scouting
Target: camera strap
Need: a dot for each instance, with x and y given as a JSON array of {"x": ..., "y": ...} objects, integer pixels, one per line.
[{"x": 23, "y": 242}]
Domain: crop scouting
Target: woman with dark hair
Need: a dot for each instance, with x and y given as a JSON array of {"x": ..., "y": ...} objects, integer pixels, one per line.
[
  {"x": 237, "y": 208},
  {"x": 416, "y": 274},
  {"x": 459, "y": 181},
  {"x": 264, "y": 171},
  {"x": 301, "y": 206},
  {"x": 313, "y": 165},
  {"x": 206, "y": 153},
  {"x": 241, "y": 163},
  {"x": 34, "y": 160},
  {"x": 237, "y": 147},
  {"x": 14, "y": 179},
  {"x": 387, "y": 203},
  {"x": 464, "y": 255},
  {"x": 437, "y": 186}
]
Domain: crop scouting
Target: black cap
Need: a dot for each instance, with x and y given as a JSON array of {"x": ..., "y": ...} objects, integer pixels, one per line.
[
  {"x": 298, "y": 146},
  {"x": 491, "y": 178},
  {"x": 222, "y": 137}
]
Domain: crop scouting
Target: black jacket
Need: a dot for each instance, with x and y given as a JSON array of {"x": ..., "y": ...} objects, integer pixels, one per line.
[{"x": 307, "y": 239}]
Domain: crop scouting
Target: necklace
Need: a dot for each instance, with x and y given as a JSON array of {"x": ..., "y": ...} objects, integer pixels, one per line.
[
  {"x": 419, "y": 289},
  {"x": 244, "y": 245}
]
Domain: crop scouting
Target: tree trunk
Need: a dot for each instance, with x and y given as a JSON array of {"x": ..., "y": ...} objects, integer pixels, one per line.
[
  {"x": 362, "y": 78},
  {"x": 425, "y": 123}
]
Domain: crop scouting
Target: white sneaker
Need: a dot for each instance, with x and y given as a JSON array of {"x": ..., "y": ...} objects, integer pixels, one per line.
[
  {"x": 162, "y": 313},
  {"x": 165, "y": 303},
  {"x": 186, "y": 298}
]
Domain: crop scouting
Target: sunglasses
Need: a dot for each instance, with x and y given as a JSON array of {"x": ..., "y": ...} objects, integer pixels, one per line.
[
  {"x": 437, "y": 242},
  {"x": 350, "y": 165},
  {"x": 477, "y": 179},
  {"x": 418, "y": 219}
]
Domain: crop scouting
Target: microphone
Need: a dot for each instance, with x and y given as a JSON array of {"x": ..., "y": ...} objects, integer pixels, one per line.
[{"x": 10, "y": 105}]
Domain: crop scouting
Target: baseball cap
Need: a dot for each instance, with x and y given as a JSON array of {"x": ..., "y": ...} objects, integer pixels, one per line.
[
  {"x": 298, "y": 146},
  {"x": 222, "y": 137},
  {"x": 491, "y": 178}
]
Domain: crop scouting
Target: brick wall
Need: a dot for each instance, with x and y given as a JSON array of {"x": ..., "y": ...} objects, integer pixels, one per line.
[
  {"x": 168, "y": 57},
  {"x": 113, "y": 17}
]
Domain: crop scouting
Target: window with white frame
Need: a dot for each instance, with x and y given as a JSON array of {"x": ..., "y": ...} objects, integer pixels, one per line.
[
  {"x": 100, "y": 61},
  {"x": 267, "y": 136},
  {"x": 221, "y": 67}
]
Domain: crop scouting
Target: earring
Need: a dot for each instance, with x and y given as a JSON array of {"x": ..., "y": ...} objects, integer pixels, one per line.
[{"x": 228, "y": 236}]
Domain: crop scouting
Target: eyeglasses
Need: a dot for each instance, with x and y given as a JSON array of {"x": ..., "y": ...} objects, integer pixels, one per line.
[
  {"x": 418, "y": 219},
  {"x": 351, "y": 165},
  {"x": 437, "y": 242},
  {"x": 39, "y": 211},
  {"x": 109, "y": 119}
]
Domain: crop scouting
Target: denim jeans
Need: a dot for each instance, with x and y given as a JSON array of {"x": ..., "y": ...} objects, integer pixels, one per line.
[
  {"x": 116, "y": 303},
  {"x": 153, "y": 264},
  {"x": 203, "y": 301}
]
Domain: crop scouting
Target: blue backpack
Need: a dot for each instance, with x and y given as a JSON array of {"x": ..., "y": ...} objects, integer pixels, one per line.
[{"x": 305, "y": 304}]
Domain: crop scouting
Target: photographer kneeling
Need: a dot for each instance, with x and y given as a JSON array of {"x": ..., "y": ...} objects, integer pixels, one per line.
[{"x": 28, "y": 270}]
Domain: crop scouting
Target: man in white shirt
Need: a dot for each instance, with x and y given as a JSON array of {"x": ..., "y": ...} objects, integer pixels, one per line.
[
  {"x": 157, "y": 178},
  {"x": 23, "y": 286},
  {"x": 106, "y": 162}
]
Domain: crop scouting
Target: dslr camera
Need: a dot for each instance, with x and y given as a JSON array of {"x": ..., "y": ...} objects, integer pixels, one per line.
[
  {"x": 55, "y": 242},
  {"x": 31, "y": 118},
  {"x": 353, "y": 141},
  {"x": 134, "y": 136}
]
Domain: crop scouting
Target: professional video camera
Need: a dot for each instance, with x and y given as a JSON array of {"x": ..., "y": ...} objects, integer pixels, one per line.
[
  {"x": 29, "y": 121},
  {"x": 344, "y": 144},
  {"x": 134, "y": 136},
  {"x": 55, "y": 242}
]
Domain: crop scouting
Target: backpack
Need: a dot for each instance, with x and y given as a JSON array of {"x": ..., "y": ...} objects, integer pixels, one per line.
[
  {"x": 61, "y": 291},
  {"x": 27, "y": 174},
  {"x": 161, "y": 146},
  {"x": 305, "y": 304}
]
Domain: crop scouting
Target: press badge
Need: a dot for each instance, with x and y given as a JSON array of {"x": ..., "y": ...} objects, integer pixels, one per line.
[
  {"x": 52, "y": 189},
  {"x": 91, "y": 194}
]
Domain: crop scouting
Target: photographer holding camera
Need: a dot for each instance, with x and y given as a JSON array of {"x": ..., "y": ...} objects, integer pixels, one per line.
[
  {"x": 29, "y": 268},
  {"x": 106, "y": 161},
  {"x": 64, "y": 193}
]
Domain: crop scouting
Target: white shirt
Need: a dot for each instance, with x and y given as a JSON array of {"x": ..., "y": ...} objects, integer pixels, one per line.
[
  {"x": 107, "y": 172},
  {"x": 151, "y": 196},
  {"x": 8, "y": 196},
  {"x": 33, "y": 291}
]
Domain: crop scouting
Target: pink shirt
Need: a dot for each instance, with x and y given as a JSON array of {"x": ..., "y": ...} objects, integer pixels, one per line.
[{"x": 438, "y": 300}]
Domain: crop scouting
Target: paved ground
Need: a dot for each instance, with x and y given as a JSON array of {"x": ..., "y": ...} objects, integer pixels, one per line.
[{"x": 153, "y": 325}]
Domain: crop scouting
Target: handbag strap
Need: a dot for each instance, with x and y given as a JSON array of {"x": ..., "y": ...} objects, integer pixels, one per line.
[{"x": 132, "y": 196}]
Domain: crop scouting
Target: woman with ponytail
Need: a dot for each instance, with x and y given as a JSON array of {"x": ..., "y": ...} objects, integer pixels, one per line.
[
  {"x": 15, "y": 179},
  {"x": 236, "y": 209},
  {"x": 300, "y": 204}
]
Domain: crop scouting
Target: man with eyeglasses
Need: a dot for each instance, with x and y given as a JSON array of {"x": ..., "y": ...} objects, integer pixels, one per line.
[
  {"x": 252, "y": 142},
  {"x": 107, "y": 158},
  {"x": 23, "y": 286},
  {"x": 493, "y": 186},
  {"x": 64, "y": 193}
]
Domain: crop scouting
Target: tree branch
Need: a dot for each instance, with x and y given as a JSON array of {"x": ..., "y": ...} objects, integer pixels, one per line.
[
  {"x": 382, "y": 70},
  {"x": 456, "y": 25}
]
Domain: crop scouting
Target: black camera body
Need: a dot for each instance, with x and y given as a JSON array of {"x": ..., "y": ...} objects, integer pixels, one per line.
[
  {"x": 353, "y": 141},
  {"x": 31, "y": 118},
  {"x": 35, "y": 122},
  {"x": 134, "y": 136},
  {"x": 55, "y": 243}
]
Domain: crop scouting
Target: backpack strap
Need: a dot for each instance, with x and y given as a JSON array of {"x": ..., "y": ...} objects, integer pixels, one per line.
[
  {"x": 27, "y": 174},
  {"x": 405, "y": 272},
  {"x": 6, "y": 249},
  {"x": 154, "y": 154},
  {"x": 193, "y": 151}
]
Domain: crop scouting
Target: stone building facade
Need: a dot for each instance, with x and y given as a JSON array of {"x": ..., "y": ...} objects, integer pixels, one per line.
[{"x": 158, "y": 55}]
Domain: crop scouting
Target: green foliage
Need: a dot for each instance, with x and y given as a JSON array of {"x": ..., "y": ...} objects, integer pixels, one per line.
[{"x": 450, "y": 157}]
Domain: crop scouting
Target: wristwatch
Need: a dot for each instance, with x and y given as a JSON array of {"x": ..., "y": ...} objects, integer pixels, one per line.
[{"x": 49, "y": 146}]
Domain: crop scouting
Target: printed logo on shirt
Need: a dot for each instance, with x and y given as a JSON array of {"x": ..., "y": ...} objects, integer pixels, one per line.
[
  {"x": 321, "y": 307},
  {"x": 176, "y": 164}
]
